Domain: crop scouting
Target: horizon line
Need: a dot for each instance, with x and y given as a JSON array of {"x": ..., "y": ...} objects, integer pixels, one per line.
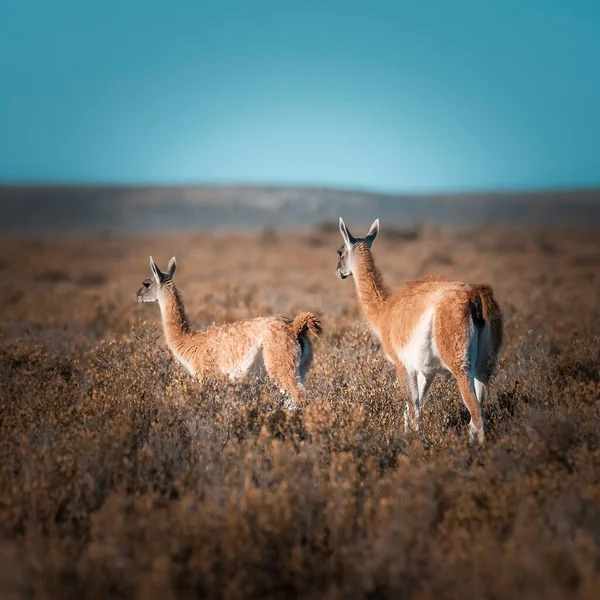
[{"x": 76, "y": 184}]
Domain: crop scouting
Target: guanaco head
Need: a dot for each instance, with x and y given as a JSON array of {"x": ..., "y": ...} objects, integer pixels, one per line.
[
  {"x": 152, "y": 286},
  {"x": 347, "y": 250}
]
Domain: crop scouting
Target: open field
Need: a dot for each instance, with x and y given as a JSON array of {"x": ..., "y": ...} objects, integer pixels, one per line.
[{"x": 121, "y": 477}]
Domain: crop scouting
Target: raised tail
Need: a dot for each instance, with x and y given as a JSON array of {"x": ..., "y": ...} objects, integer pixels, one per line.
[{"x": 306, "y": 322}]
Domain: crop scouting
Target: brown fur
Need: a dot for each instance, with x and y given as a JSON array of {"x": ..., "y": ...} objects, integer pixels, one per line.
[
  {"x": 278, "y": 345},
  {"x": 460, "y": 313},
  {"x": 372, "y": 291},
  {"x": 306, "y": 322}
]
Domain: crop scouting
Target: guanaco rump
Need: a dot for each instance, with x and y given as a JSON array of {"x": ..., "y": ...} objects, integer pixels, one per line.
[
  {"x": 430, "y": 325},
  {"x": 276, "y": 345}
]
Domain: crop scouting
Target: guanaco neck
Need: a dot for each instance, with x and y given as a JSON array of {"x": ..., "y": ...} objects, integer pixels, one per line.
[
  {"x": 175, "y": 322},
  {"x": 372, "y": 292}
]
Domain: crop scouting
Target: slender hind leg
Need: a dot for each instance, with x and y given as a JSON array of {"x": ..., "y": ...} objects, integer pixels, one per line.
[
  {"x": 424, "y": 381},
  {"x": 480, "y": 383},
  {"x": 485, "y": 363},
  {"x": 481, "y": 389},
  {"x": 282, "y": 360},
  {"x": 466, "y": 385},
  {"x": 409, "y": 380}
]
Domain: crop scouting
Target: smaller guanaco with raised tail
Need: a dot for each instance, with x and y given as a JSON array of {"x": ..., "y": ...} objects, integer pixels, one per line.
[
  {"x": 277, "y": 345},
  {"x": 426, "y": 327}
]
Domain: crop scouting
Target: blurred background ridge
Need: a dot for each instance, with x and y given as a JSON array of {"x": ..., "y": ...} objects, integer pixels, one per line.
[{"x": 59, "y": 210}]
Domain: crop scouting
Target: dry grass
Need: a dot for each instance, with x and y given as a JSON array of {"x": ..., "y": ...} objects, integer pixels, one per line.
[{"x": 121, "y": 477}]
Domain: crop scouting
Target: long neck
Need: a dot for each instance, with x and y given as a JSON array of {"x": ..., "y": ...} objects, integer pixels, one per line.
[
  {"x": 175, "y": 321},
  {"x": 372, "y": 292}
]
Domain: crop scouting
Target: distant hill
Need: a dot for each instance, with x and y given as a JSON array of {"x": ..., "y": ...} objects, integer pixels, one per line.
[{"x": 35, "y": 210}]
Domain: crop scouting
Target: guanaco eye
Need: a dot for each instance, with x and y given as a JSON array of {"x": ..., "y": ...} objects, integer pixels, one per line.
[
  {"x": 146, "y": 283},
  {"x": 339, "y": 252}
]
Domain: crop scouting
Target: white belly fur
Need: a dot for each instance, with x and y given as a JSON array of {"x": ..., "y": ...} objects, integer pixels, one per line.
[
  {"x": 421, "y": 353},
  {"x": 252, "y": 363},
  {"x": 185, "y": 364}
]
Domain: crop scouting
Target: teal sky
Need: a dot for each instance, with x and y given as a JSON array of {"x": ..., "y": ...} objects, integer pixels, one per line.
[{"x": 396, "y": 96}]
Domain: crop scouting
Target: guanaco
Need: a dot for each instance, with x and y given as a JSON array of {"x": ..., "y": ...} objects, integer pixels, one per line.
[
  {"x": 429, "y": 325},
  {"x": 277, "y": 345}
]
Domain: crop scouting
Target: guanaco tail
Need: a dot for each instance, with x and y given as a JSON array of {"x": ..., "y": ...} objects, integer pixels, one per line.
[
  {"x": 429, "y": 325},
  {"x": 277, "y": 345}
]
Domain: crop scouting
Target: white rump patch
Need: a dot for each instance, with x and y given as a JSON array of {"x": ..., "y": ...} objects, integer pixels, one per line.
[{"x": 472, "y": 349}]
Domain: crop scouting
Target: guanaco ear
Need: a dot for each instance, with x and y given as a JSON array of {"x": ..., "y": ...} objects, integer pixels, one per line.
[
  {"x": 171, "y": 268},
  {"x": 349, "y": 239},
  {"x": 372, "y": 232},
  {"x": 156, "y": 272}
]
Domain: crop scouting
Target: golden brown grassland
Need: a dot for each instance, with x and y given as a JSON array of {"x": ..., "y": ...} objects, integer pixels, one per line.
[{"x": 122, "y": 477}]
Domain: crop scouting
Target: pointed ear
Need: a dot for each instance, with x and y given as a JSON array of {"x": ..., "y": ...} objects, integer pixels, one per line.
[
  {"x": 171, "y": 268},
  {"x": 372, "y": 232},
  {"x": 349, "y": 239},
  {"x": 156, "y": 272}
]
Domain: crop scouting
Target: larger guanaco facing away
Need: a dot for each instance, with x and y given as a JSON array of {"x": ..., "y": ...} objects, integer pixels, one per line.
[
  {"x": 276, "y": 344},
  {"x": 429, "y": 325}
]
